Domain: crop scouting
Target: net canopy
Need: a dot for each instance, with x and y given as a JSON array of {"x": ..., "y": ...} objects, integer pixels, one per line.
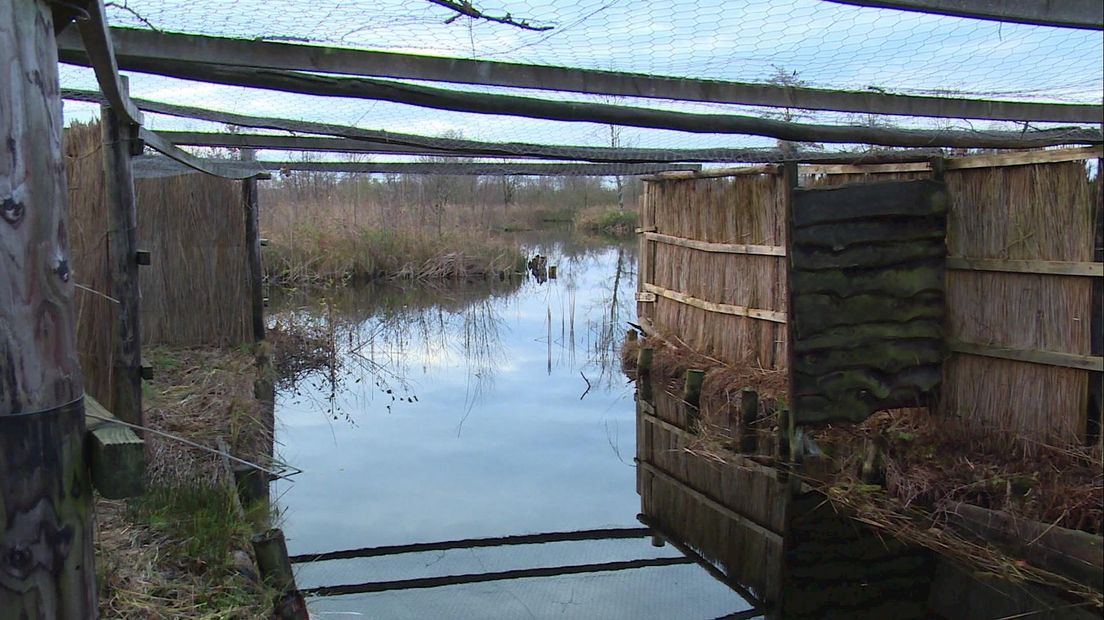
[{"x": 804, "y": 43}]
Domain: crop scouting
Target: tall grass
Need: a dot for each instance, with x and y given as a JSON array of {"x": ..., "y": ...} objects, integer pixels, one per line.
[{"x": 607, "y": 220}]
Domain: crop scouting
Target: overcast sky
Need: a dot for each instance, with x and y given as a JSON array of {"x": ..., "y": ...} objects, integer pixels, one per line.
[{"x": 826, "y": 44}]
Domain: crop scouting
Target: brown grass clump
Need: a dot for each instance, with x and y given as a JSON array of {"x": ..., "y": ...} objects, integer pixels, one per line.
[{"x": 180, "y": 550}]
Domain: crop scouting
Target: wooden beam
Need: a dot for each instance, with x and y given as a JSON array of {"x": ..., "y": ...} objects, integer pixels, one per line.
[
  {"x": 994, "y": 160},
  {"x": 224, "y": 169},
  {"x": 720, "y": 248},
  {"x": 47, "y": 565},
  {"x": 468, "y": 148},
  {"x": 141, "y": 47},
  {"x": 525, "y": 573},
  {"x": 604, "y": 113},
  {"x": 152, "y": 165},
  {"x": 1048, "y": 267},
  {"x": 118, "y": 136},
  {"x": 1085, "y": 14},
  {"x": 510, "y": 149},
  {"x": 709, "y": 306},
  {"x": 476, "y": 543},
  {"x": 1047, "y": 358},
  {"x": 96, "y": 40},
  {"x": 116, "y": 454}
]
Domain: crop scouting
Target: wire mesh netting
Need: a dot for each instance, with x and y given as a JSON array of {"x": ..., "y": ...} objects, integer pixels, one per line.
[{"x": 812, "y": 43}]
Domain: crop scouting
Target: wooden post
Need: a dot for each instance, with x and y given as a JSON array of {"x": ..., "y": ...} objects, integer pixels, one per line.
[
  {"x": 275, "y": 566},
  {"x": 120, "y": 141},
  {"x": 46, "y": 559},
  {"x": 691, "y": 395},
  {"x": 253, "y": 249},
  {"x": 749, "y": 415},
  {"x": 644, "y": 372}
]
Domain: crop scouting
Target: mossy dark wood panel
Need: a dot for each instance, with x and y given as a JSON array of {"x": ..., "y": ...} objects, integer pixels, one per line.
[{"x": 867, "y": 275}]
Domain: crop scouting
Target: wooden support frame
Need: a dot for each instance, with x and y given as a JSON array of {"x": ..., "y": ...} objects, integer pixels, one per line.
[
  {"x": 650, "y": 118},
  {"x": 1085, "y": 14},
  {"x": 142, "y": 49},
  {"x": 251, "y": 212},
  {"x": 226, "y": 170},
  {"x": 988, "y": 160}
]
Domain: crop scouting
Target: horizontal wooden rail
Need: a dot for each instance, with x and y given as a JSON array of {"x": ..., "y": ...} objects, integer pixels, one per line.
[
  {"x": 1044, "y": 267},
  {"x": 1046, "y": 358},
  {"x": 228, "y": 170},
  {"x": 527, "y": 573},
  {"x": 574, "y": 111},
  {"x": 720, "y": 248},
  {"x": 774, "y": 537},
  {"x": 709, "y": 306},
  {"x": 96, "y": 39},
  {"x": 716, "y": 173},
  {"x": 146, "y": 47},
  {"x": 988, "y": 160},
  {"x": 474, "y": 543}
]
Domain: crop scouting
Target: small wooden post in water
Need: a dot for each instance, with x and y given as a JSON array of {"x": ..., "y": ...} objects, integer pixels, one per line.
[
  {"x": 749, "y": 415},
  {"x": 644, "y": 372},
  {"x": 46, "y": 553},
  {"x": 120, "y": 143},
  {"x": 272, "y": 560},
  {"x": 691, "y": 395},
  {"x": 253, "y": 249}
]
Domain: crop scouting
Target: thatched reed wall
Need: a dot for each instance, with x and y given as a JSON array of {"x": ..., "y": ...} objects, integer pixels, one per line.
[
  {"x": 1019, "y": 333},
  {"x": 721, "y": 278},
  {"x": 88, "y": 246},
  {"x": 195, "y": 292},
  {"x": 1040, "y": 212}
]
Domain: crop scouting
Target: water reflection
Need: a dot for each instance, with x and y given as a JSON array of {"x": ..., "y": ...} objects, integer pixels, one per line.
[{"x": 481, "y": 411}]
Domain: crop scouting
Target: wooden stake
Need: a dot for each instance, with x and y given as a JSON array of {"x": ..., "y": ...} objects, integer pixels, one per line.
[
  {"x": 644, "y": 372},
  {"x": 122, "y": 241},
  {"x": 46, "y": 558},
  {"x": 749, "y": 415},
  {"x": 253, "y": 249},
  {"x": 692, "y": 386}
]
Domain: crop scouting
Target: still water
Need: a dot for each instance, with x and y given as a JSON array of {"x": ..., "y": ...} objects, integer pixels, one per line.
[{"x": 481, "y": 410}]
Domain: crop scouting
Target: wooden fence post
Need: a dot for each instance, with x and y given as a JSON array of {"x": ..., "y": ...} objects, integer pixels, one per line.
[
  {"x": 120, "y": 142},
  {"x": 46, "y": 559},
  {"x": 253, "y": 248}
]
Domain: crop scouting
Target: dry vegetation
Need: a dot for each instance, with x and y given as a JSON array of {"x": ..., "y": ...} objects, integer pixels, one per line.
[
  {"x": 180, "y": 550},
  {"x": 327, "y": 228}
]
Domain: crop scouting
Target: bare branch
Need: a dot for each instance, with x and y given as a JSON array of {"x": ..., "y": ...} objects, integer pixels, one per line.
[
  {"x": 464, "y": 7},
  {"x": 138, "y": 16}
]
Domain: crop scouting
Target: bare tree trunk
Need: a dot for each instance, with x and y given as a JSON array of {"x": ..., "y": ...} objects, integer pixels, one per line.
[{"x": 46, "y": 560}]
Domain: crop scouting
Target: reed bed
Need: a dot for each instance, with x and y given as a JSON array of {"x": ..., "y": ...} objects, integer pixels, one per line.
[
  {"x": 1034, "y": 212},
  {"x": 606, "y": 221},
  {"x": 743, "y": 209}
]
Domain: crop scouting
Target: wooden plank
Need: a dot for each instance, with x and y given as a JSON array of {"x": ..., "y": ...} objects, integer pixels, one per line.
[
  {"x": 1048, "y": 358},
  {"x": 526, "y": 573},
  {"x": 720, "y": 248},
  {"x": 226, "y": 170},
  {"x": 717, "y": 173},
  {"x": 1048, "y": 267},
  {"x": 761, "y": 530},
  {"x": 992, "y": 160},
  {"x": 511, "y": 149},
  {"x": 116, "y": 454},
  {"x": 605, "y": 113},
  {"x": 646, "y": 298},
  {"x": 96, "y": 40},
  {"x": 475, "y": 543},
  {"x": 753, "y": 313},
  {"x": 47, "y": 565},
  {"x": 1086, "y": 14},
  {"x": 865, "y": 168},
  {"x": 146, "y": 45}
]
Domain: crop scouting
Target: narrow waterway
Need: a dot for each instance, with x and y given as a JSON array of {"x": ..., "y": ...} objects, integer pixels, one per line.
[{"x": 480, "y": 410}]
